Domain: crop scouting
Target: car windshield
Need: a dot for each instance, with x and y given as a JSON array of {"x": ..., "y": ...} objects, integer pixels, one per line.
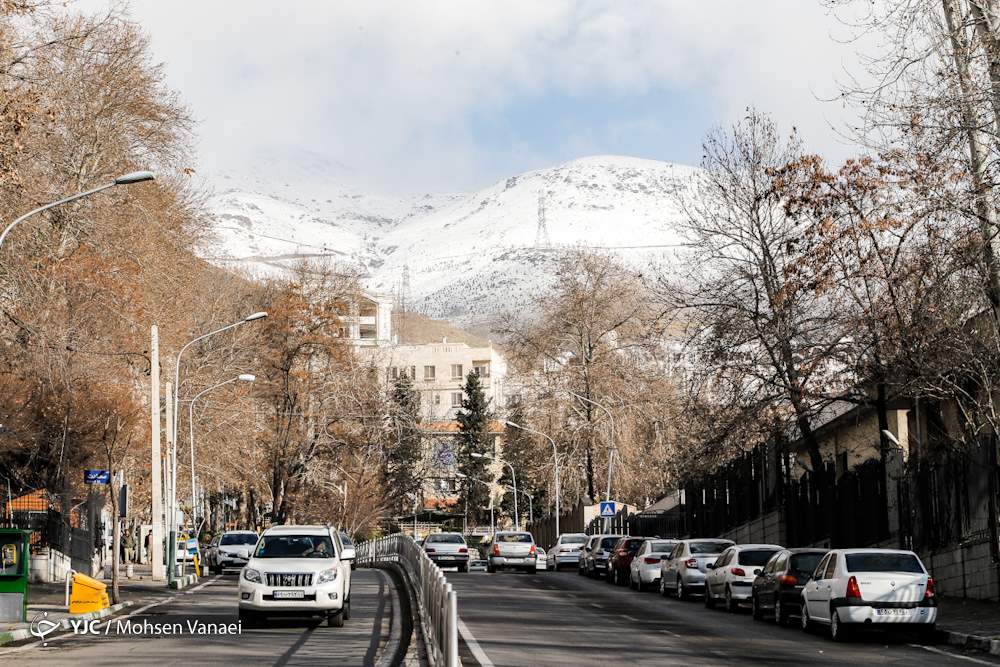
[
  {"x": 881, "y": 562},
  {"x": 295, "y": 546},
  {"x": 609, "y": 542},
  {"x": 662, "y": 547},
  {"x": 515, "y": 537},
  {"x": 708, "y": 547},
  {"x": 246, "y": 538},
  {"x": 444, "y": 539},
  {"x": 573, "y": 539},
  {"x": 756, "y": 557},
  {"x": 805, "y": 564}
]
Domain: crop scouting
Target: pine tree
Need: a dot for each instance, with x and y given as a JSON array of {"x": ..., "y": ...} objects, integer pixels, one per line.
[
  {"x": 402, "y": 469},
  {"x": 520, "y": 453},
  {"x": 474, "y": 438}
]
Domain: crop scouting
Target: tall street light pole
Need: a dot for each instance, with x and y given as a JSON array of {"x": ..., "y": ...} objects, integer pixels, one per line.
[
  {"x": 513, "y": 477},
  {"x": 555, "y": 463},
  {"x": 493, "y": 529},
  {"x": 243, "y": 377},
  {"x": 611, "y": 439},
  {"x": 172, "y": 545}
]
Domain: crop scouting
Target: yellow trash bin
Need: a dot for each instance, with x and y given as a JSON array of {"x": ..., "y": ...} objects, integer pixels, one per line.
[{"x": 87, "y": 594}]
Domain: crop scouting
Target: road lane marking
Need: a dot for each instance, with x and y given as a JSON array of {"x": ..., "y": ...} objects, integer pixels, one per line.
[
  {"x": 954, "y": 655},
  {"x": 668, "y": 632},
  {"x": 630, "y": 618},
  {"x": 594, "y": 605},
  {"x": 477, "y": 652}
]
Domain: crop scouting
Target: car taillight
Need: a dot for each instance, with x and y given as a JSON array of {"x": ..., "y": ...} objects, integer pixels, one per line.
[
  {"x": 691, "y": 562},
  {"x": 788, "y": 580},
  {"x": 496, "y": 549},
  {"x": 623, "y": 552},
  {"x": 531, "y": 551},
  {"x": 463, "y": 550},
  {"x": 738, "y": 571},
  {"x": 649, "y": 560},
  {"x": 853, "y": 591},
  {"x": 929, "y": 591}
]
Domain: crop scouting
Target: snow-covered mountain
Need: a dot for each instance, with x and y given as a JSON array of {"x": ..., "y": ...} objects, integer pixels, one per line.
[{"x": 470, "y": 256}]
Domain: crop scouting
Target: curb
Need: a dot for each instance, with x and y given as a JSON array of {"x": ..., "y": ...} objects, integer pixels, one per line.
[
  {"x": 13, "y": 636},
  {"x": 975, "y": 642},
  {"x": 183, "y": 582}
]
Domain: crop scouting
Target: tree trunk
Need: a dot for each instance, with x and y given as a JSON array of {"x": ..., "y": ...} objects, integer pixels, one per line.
[
  {"x": 115, "y": 539},
  {"x": 984, "y": 17}
]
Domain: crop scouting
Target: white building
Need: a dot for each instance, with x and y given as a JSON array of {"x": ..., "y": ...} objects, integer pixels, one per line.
[{"x": 368, "y": 322}]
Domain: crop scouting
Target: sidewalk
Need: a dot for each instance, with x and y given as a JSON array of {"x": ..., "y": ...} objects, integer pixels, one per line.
[
  {"x": 50, "y": 600},
  {"x": 971, "y": 623}
]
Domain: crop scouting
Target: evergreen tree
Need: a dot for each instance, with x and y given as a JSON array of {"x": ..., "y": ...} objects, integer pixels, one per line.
[
  {"x": 403, "y": 460},
  {"x": 523, "y": 454},
  {"x": 474, "y": 438}
]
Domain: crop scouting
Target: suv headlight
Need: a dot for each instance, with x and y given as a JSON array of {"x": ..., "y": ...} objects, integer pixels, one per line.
[
  {"x": 326, "y": 576},
  {"x": 251, "y": 574}
]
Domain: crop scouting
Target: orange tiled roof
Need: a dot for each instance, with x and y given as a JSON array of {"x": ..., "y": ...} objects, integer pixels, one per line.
[
  {"x": 495, "y": 426},
  {"x": 33, "y": 501}
]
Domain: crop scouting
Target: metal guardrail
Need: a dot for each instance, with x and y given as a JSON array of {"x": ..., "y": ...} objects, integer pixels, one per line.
[{"x": 435, "y": 598}]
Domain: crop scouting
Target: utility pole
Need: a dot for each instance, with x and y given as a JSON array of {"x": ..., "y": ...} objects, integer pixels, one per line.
[
  {"x": 155, "y": 554},
  {"x": 171, "y": 489}
]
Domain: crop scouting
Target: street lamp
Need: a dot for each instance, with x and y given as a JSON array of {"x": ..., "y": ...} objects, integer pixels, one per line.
[
  {"x": 172, "y": 543},
  {"x": 611, "y": 449},
  {"x": 555, "y": 463},
  {"x": 126, "y": 179},
  {"x": 242, "y": 377},
  {"x": 493, "y": 529},
  {"x": 513, "y": 477}
]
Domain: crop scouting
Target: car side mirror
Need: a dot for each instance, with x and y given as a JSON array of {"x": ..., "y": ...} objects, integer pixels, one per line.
[
  {"x": 348, "y": 554},
  {"x": 757, "y": 571},
  {"x": 710, "y": 566},
  {"x": 665, "y": 557}
]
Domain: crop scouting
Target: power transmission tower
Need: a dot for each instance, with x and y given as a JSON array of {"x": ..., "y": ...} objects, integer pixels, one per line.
[{"x": 542, "y": 233}]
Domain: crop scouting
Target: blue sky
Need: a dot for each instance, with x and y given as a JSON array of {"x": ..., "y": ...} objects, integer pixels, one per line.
[{"x": 452, "y": 96}]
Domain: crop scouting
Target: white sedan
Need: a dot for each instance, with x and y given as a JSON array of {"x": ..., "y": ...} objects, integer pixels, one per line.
[
  {"x": 867, "y": 587},
  {"x": 730, "y": 577},
  {"x": 645, "y": 567}
]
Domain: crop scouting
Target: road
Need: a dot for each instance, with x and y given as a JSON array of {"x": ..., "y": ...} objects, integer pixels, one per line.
[
  {"x": 564, "y": 619},
  {"x": 282, "y": 642}
]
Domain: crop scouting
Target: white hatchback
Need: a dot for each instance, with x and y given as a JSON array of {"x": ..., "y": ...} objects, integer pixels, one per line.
[
  {"x": 854, "y": 588},
  {"x": 730, "y": 577},
  {"x": 297, "y": 571}
]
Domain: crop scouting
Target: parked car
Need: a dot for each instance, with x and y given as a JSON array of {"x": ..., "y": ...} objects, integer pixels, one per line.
[
  {"x": 566, "y": 550},
  {"x": 777, "y": 590},
  {"x": 540, "y": 559},
  {"x": 448, "y": 550},
  {"x": 477, "y": 565},
  {"x": 621, "y": 559},
  {"x": 231, "y": 549},
  {"x": 851, "y": 588},
  {"x": 597, "y": 556},
  {"x": 296, "y": 571},
  {"x": 683, "y": 574},
  {"x": 730, "y": 577},
  {"x": 512, "y": 549},
  {"x": 645, "y": 568},
  {"x": 589, "y": 545}
]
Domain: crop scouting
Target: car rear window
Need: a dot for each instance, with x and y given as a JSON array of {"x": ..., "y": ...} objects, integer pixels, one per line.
[
  {"x": 238, "y": 539},
  {"x": 662, "y": 547},
  {"x": 515, "y": 537},
  {"x": 574, "y": 539},
  {"x": 633, "y": 545},
  {"x": 609, "y": 542},
  {"x": 756, "y": 557},
  {"x": 876, "y": 562},
  {"x": 708, "y": 547},
  {"x": 805, "y": 564},
  {"x": 445, "y": 539}
]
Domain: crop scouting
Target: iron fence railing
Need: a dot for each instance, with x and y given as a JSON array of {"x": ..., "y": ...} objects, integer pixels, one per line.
[{"x": 435, "y": 598}]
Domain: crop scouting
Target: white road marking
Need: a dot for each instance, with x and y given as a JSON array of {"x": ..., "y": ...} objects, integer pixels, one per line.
[
  {"x": 630, "y": 618},
  {"x": 477, "y": 652},
  {"x": 954, "y": 655},
  {"x": 594, "y": 605},
  {"x": 668, "y": 632}
]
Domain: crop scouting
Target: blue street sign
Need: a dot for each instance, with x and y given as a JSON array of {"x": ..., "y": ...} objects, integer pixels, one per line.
[
  {"x": 607, "y": 509},
  {"x": 96, "y": 476}
]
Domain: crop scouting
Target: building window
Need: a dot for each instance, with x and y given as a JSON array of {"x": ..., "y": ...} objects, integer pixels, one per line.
[
  {"x": 413, "y": 372},
  {"x": 456, "y": 399},
  {"x": 394, "y": 372},
  {"x": 437, "y": 399},
  {"x": 456, "y": 371},
  {"x": 482, "y": 368},
  {"x": 429, "y": 372}
]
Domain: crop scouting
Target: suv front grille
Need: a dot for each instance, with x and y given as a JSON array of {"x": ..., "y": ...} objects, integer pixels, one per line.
[{"x": 289, "y": 579}]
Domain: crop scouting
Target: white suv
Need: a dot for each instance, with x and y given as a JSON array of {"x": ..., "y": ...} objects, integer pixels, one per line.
[{"x": 297, "y": 571}]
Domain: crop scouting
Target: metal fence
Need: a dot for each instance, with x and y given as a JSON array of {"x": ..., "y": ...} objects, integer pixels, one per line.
[{"x": 435, "y": 598}]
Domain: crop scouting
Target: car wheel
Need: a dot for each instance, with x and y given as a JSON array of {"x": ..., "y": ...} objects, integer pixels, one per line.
[
  {"x": 709, "y": 600},
  {"x": 780, "y": 613},
  {"x": 663, "y": 586},
  {"x": 491, "y": 569},
  {"x": 681, "y": 593},
  {"x": 839, "y": 631},
  {"x": 804, "y": 620},
  {"x": 335, "y": 619},
  {"x": 732, "y": 606},
  {"x": 249, "y": 618},
  {"x": 346, "y": 612},
  {"x": 463, "y": 568},
  {"x": 756, "y": 612},
  {"x": 216, "y": 569}
]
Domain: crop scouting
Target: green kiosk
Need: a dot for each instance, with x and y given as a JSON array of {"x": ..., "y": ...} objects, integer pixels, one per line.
[{"x": 13, "y": 575}]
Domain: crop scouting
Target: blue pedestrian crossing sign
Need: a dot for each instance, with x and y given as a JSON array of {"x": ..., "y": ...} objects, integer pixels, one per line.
[{"x": 607, "y": 509}]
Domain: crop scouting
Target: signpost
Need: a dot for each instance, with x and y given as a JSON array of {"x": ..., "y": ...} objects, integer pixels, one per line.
[
  {"x": 608, "y": 509},
  {"x": 97, "y": 477}
]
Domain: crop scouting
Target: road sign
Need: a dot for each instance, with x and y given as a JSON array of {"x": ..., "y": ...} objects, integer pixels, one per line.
[
  {"x": 96, "y": 476},
  {"x": 607, "y": 509}
]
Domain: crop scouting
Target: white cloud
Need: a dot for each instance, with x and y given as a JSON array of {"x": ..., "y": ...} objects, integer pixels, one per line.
[{"x": 391, "y": 89}]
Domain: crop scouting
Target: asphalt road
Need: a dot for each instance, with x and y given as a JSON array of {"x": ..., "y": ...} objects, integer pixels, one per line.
[
  {"x": 562, "y": 618},
  {"x": 282, "y": 642}
]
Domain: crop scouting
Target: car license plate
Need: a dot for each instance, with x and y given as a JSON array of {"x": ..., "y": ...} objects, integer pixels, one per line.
[
  {"x": 289, "y": 595},
  {"x": 892, "y": 612},
  {"x": 516, "y": 559}
]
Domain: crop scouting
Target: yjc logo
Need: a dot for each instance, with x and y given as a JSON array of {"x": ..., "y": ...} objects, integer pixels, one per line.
[{"x": 42, "y": 627}]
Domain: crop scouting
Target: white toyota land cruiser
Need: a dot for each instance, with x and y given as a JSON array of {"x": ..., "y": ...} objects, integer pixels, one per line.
[{"x": 297, "y": 571}]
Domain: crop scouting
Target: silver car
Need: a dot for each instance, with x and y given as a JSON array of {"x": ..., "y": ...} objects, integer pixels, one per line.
[
  {"x": 597, "y": 557},
  {"x": 448, "y": 550},
  {"x": 566, "y": 550},
  {"x": 231, "y": 549},
  {"x": 683, "y": 574},
  {"x": 645, "y": 567},
  {"x": 513, "y": 550}
]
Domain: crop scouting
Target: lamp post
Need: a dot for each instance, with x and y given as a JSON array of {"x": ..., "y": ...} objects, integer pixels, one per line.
[
  {"x": 243, "y": 377},
  {"x": 172, "y": 542},
  {"x": 513, "y": 477},
  {"x": 611, "y": 448},
  {"x": 125, "y": 179},
  {"x": 555, "y": 463},
  {"x": 492, "y": 521}
]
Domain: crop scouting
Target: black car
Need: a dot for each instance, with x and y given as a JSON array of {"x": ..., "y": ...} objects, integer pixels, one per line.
[{"x": 778, "y": 585}]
